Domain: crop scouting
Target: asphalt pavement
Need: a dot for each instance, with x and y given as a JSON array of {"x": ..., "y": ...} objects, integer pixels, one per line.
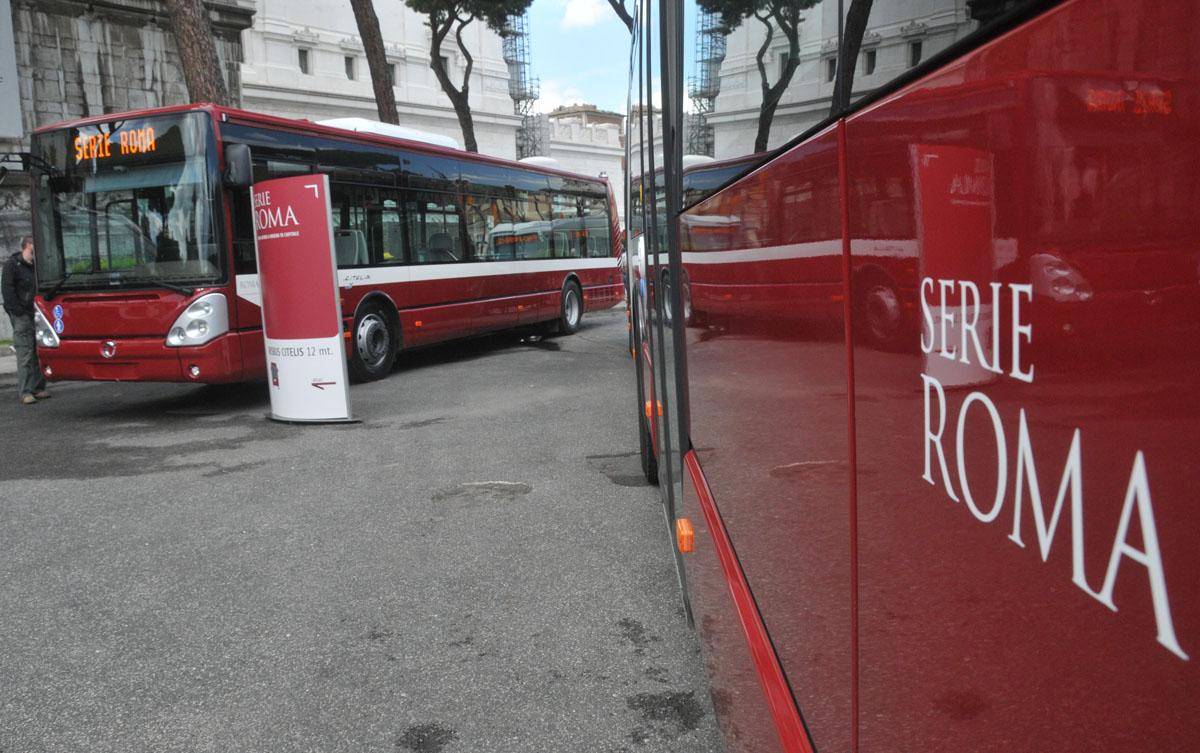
[{"x": 476, "y": 566}]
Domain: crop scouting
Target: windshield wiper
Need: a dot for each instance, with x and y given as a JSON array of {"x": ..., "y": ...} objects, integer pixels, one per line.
[
  {"x": 169, "y": 286},
  {"x": 53, "y": 291}
]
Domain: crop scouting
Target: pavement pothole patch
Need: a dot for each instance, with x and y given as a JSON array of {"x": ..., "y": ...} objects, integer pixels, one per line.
[
  {"x": 623, "y": 469},
  {"x": 635, "y": 632},
  {"x": 667, "y": 715},
  {"x": 426, "y": 738},
  {"x": 483, "y": 491}
]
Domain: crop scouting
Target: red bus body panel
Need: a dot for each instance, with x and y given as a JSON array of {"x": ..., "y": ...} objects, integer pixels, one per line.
[{"x": 911, "y": 597}]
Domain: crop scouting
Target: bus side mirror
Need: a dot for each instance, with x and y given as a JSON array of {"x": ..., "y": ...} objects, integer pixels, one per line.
[{"x": 239, "y": 172}]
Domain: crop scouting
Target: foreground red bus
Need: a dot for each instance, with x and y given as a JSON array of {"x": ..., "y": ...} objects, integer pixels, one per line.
[
  {"x": 146, "y": 264},
  {"x": 926, "y": 430}
]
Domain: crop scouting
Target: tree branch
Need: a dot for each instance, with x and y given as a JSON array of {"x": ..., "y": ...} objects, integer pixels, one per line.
[
  {"x": 856, "y": 26},
  {"x": 762, "y": 52},
  {"x": 622, "y": 13},
  {"x": 463, "y": 48}
]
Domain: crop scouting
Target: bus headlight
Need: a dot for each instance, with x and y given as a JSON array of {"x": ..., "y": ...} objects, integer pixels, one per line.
[
  {"x": 204, "y": 319},
  {"x": 46, "y": 336},
  {"x": 1058, "y": 280}
]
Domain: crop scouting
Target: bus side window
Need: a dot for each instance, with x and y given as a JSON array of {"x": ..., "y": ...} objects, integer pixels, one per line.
[
  {"x": 435, "y": 230},
  {"x": 503, "y": 235},
  {"x": 596, "y": 226},
  {"x": 531, "y": 233},
  {"x": 389, "y": 233},
  {"x": 568, "y": 227},
  {"x": 480, "y": 216},
  {"x": 349, "y": 225},
  {"x": 241, "y": 232}
]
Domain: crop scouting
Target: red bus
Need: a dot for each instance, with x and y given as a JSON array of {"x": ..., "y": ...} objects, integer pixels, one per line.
[
  {"x": 925, "y": 433},
  {"x": 146, "y": 263}
]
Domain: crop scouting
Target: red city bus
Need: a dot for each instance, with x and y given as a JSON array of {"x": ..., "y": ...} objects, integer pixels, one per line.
[
  {"x": 925, "y": 433},
  {"x": 146, "y": 263}
]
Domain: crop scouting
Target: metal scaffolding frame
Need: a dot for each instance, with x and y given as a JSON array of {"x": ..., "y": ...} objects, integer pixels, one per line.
[
  {"x": 705, "y": 83},
  {"x": 522, "y": 87}
]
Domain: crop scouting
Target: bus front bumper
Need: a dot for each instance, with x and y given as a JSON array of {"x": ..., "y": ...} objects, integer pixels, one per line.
[{"x": 143, "y": 359}]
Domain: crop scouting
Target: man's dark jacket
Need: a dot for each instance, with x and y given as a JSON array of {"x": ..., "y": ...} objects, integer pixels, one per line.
[{"x": 19, "y": 286}]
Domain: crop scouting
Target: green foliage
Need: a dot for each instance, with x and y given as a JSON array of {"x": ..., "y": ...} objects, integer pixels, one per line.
[
  {"x": 734, "y": 12},
  {"x": 494, "y": 13}
]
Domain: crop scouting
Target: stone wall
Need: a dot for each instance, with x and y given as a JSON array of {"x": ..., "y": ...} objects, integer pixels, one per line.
[{"x": 76, "y": 59}]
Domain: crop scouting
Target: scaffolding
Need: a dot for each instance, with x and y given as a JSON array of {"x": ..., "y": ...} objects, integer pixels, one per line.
[
  {"x": 522, "y": 87},
  {"x": 705, "y": 83}
]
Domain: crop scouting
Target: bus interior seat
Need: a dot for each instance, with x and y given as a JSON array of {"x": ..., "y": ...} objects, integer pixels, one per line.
[
  {"x": 440, "y": 249},
  {"x": 351, "y": 247}
]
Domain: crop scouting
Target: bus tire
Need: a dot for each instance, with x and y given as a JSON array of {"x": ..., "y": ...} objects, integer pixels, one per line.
[
  {"x": 570, "y": 308},
  {"x": 880, "y": 317},
  {"x": 375, "y": 343},
  {"x": 649, "y": 461}
]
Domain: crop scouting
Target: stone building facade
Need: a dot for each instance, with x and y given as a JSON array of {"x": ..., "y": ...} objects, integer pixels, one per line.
[
  {"x": 899, "y": 35},
  {"x": 587, "y": 140},
  {"x": 305, "y": 60},
  {"x": 74, "y": 59}
]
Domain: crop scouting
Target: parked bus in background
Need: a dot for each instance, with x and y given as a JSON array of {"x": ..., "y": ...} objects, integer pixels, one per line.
[
  {"x": 146, "y": 261},
  {"x": 925, "y": 431}
]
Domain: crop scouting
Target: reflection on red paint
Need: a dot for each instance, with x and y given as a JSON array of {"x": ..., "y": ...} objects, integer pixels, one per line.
[
  {"x": 1024, "y": 532},
  {"x": 1139, "y": 101}
]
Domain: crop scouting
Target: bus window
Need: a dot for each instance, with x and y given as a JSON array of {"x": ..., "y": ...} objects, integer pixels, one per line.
[
  {"x": 349, "y": 225},
  {"x": 596, "y": 227},
  {"x": 479, "y": 221},
  {"x": 434, "y": 229},
  {"x": 391, "y": 247},
  {"x": 384, "y": 226},
  {"x": 242, "y": 232},
  {"x": 568, "y": 227}
]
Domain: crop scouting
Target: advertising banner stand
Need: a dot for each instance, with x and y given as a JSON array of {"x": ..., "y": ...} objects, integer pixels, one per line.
[
  {"x": 301, "y": 307},
  {"x": 955, "y": 220}
]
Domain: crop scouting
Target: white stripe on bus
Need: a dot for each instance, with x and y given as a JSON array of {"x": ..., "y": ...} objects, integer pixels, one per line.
[{"x": 247, "y": 285}]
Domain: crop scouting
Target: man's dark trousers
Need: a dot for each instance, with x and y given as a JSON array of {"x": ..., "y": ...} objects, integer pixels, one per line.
[{"x": 29, "y": 371}]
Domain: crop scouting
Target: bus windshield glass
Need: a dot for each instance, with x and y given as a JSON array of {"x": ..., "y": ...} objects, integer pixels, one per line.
[{"x": 128, "y": 203}]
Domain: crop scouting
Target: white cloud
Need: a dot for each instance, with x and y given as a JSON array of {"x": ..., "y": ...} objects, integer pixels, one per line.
[
  {"x": 578, "y": 14},
  {"x": 555, "y": 93}
]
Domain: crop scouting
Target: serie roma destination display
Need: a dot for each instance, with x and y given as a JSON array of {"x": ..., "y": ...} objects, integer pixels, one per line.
[{"x": 301, "y": 310}]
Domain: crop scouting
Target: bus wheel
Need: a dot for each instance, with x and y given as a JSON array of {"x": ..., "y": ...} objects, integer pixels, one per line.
[
  {"x": 571, "y": 309},
  {"x": 375, "y": 344},
  {"x": 881, "y": 314},
  {"x": 649, "y": 462}
]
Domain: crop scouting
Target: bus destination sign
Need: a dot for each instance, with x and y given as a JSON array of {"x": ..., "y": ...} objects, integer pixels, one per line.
[{"x": 131, "y": 141}]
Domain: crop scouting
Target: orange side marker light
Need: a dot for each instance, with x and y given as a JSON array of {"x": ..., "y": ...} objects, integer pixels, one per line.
[
  {"x": 648, "y": 409},
  {"x": 685, "y": 535},
  {"x": 417, "y": 323}
]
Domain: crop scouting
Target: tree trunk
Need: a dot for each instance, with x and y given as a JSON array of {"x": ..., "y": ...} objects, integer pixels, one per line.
[
  {"x": 463, "y": 110},
  {"x": 381, "y": 72},
  {"x": 773, "y": 93},
  {"x": 856, "y": 26},
  {"x": 197, "y": 52},
  {"x": 458, "y": 98}
]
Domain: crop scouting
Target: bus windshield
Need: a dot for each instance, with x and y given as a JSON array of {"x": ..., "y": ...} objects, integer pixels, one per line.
[{"x": 128, "y": 203}]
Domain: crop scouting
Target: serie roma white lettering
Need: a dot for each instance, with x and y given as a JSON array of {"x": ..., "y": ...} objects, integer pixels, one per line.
[
  {"x": 956, "y": 336},
  {"x": 270, "y": 218},
  {"x": 267, "y": 217},
  {"x": 1137, "y": 499}
]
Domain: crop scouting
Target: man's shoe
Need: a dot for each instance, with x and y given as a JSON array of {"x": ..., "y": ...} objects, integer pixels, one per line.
[
  {"x": 42, "y": 395},
  {"x": 28, "y": 399}
]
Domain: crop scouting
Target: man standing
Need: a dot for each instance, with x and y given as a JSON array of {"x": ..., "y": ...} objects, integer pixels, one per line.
[{"x": 18, "y": 285}]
